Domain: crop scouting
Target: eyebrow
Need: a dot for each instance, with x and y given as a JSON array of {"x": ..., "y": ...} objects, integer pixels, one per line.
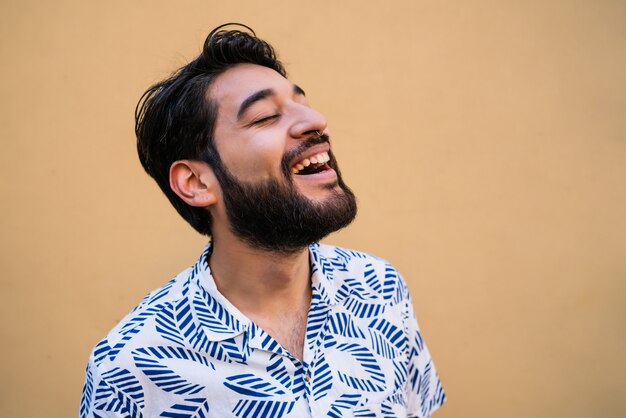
[{"x": 261, "y": 95}]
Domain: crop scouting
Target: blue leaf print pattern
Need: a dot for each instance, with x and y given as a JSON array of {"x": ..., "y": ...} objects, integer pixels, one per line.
[
  {"x": 250, "y": 385},
  {"x": 213, "y": 316},
  {"x": 259, "y": 397},
  {"x": 120, "y": 392},
  {"x": 174, "y": 322},
  {"x": 344, "y": 403},
  {"x": 262, "y": 409},
  {"x": 152, "y": 362},
  {"x": 361, "y": 302},
  {"x": 318, "y": 315},
  {"x": 188, "y": 408},
  {"x": 378, "y": 411},
  {"x": 373, "y": 379},
  {"x": 217, "y": 330},
  {"x": 187, "y": 352},
  {"x": 394, "y": 289},
  {"x": 85, "y": 400},
  {"x": 279, "y": 372},
  {"x": 322, "y": 374},
  {"x": 387, "y": 339}
]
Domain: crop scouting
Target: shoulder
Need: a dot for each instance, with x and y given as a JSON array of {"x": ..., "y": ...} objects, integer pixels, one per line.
[
  {"x": 138, "y": 327},
  {"x": 348, "y": 256},
  {"x": 360, "y": 273}
]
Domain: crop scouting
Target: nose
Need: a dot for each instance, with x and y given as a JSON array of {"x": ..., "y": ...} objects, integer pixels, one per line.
[{"x": 308, "y": 121}]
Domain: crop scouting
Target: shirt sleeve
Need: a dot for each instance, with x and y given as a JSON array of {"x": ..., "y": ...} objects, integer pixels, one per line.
[
  {"x": 425, "y": 394},
  {"x": 112, "y": 394}
]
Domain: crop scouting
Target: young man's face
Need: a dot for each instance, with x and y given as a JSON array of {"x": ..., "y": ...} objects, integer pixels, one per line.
[
  {"x": 264, "y": 119},
  {"x": 281, "y": 186}
]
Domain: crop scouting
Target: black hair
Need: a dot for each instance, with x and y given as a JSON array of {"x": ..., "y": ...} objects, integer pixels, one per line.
[{"x": 175, "y": 118}]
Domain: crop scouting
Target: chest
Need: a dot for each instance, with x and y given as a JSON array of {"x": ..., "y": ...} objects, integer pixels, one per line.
[
  {"x": 349, "y": 367},
  {"x": 289, "y": 330}
]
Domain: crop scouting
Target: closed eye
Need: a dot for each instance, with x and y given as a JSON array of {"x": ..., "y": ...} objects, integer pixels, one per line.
[{"x": 265, "y": 119}]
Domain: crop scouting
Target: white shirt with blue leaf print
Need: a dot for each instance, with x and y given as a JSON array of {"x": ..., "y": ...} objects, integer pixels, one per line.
[{"x": 186, "y": 352}]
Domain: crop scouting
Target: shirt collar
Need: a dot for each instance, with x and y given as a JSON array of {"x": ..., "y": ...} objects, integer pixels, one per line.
[
  {"x": 322, "y": 274},
  {"x": 233, "y": 321},
  {"x": 223, "y": 320}
]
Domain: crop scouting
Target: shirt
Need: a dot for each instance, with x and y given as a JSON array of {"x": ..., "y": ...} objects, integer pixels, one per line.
[{"x": 186, "y": 351}]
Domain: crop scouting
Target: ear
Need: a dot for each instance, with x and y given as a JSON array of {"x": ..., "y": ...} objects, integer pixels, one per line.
[{"x": 194, "y": 182}]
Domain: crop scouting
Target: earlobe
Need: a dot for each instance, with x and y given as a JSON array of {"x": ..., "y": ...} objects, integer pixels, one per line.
[{"x": 194, "y": 182}]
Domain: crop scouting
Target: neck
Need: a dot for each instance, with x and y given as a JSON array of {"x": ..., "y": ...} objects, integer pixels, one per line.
[{"x": 246, "y": 276}]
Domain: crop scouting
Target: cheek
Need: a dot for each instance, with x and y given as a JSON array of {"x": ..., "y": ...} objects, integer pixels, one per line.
[{"x": 254, "y": 158}]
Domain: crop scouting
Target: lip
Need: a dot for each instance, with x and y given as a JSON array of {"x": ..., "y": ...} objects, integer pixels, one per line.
[
  {"x": 314, "y": 150},
  {"x": 327, "y": 175}
]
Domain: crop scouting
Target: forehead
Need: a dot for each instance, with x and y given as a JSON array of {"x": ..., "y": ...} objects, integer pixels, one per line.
[{"x": 234, "y": 85}]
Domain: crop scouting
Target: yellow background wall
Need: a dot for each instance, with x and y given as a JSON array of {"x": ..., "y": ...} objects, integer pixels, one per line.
[{"x": 486, "y": 141}]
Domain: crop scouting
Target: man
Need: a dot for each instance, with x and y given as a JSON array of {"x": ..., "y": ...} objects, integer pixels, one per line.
[{"x": 267, "y": 323}]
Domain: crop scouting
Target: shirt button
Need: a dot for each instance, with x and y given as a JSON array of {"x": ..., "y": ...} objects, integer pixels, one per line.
[{"x": 307, "y": 377}]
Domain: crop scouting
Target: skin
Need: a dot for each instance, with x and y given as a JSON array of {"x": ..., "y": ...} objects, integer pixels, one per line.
[{"x": 251, "y": 144}]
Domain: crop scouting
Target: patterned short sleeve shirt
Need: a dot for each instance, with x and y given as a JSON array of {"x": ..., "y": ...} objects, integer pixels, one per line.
[{"x": 186, "y": 351}]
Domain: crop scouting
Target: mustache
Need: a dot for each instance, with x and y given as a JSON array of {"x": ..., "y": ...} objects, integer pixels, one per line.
[{"x": 290, "y": 155}]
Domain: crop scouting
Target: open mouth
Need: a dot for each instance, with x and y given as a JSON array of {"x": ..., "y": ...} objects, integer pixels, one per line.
[{"x": 311, "y": 165}]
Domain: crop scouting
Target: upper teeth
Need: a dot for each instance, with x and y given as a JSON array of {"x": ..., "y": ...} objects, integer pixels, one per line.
[{"x": 318, "y": 160}]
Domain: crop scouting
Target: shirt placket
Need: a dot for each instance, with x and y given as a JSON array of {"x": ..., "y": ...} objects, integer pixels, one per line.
[
  {"x": 258, "y": 339},
  {"x": 316, "y": 327}
]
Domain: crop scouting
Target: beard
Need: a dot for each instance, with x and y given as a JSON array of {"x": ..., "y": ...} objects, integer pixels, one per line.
[{"x": 273, "y": 215}]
